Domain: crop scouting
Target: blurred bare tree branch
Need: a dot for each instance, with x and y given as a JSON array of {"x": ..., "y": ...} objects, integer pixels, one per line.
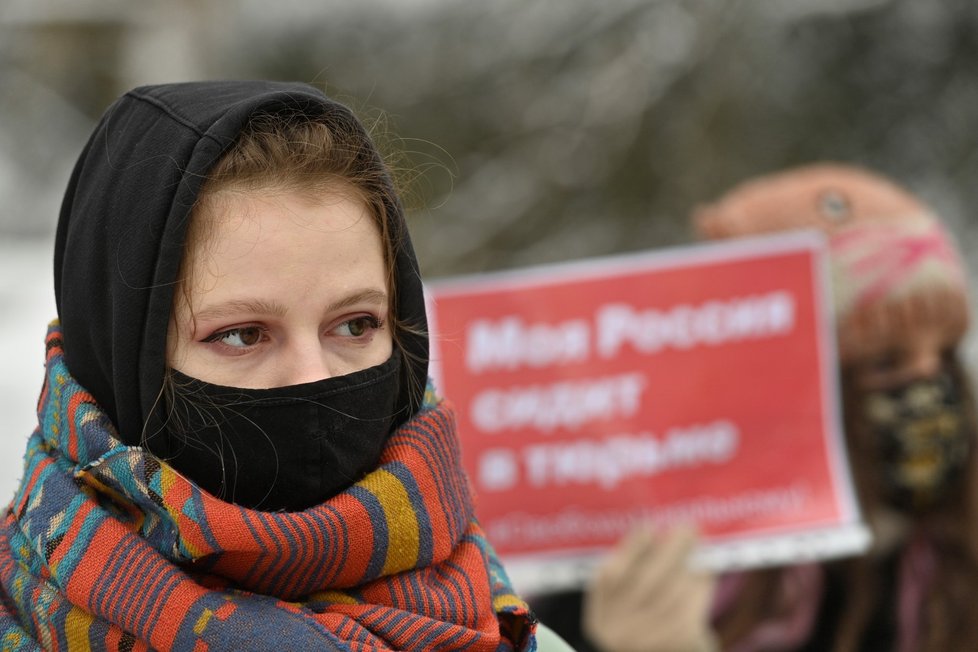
[{"x": 577, "y": 128}]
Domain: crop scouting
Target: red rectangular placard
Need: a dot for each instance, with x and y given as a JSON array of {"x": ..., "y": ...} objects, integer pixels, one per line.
[{"x": 696, "y": 383}]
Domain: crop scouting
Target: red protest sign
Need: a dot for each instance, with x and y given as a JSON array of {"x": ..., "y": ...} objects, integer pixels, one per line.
[{"x": 690, "y": 384}]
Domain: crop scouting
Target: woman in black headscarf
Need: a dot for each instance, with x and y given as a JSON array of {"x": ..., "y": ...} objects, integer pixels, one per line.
[{"x": 236, "y": 446}]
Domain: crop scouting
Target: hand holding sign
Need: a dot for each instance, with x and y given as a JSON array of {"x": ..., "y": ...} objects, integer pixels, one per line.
[{"x": 649, "y": 580}]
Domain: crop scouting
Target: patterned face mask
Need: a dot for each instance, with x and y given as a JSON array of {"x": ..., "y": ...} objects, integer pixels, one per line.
[{"x": 924, "y": 439}]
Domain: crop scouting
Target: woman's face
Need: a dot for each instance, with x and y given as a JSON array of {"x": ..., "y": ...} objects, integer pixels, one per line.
[
  {"x": 910, "y": 423},
  {"x": 282, "y": 289}
]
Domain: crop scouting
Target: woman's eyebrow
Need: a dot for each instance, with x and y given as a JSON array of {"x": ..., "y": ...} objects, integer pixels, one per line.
[
  {"x": 369, "y": 295},
  {"x": 238, "y": 306}
]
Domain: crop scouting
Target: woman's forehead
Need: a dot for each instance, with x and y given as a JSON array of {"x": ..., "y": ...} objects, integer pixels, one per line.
[{"x": 924, "y": 334}]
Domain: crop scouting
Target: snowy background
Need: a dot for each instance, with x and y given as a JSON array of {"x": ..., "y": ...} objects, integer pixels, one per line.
[{"x": 27, "y": 298}]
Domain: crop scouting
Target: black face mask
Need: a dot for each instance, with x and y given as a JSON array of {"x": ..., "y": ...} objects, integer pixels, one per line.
[
  {"x": 925, "y": 441},
  {"x": 287, "y": 448}
]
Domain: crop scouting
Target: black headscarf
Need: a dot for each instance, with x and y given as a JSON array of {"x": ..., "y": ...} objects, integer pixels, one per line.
[{"x": 122, "y": 228}]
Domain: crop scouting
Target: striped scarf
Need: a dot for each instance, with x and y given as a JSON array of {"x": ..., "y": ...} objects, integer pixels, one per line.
[{"x": 105, "y": 547}]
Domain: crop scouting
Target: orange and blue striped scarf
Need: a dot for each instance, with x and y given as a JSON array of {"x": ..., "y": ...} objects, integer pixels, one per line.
[{"x": 105, "y": 547}]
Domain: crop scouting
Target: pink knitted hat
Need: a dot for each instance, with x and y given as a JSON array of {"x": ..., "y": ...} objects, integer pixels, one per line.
[{"x": 894, "y": 266}]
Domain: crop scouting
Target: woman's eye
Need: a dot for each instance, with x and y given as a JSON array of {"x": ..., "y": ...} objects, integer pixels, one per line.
[
  {"x": 886, "y": 362},
  {"x": 237, "y": 337},
  {"x": 359, "y": 326},
  {"x": 948, "y": 356}
]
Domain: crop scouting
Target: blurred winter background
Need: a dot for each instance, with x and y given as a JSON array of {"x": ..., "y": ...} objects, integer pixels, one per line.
[{"x": 537, "y": 131}]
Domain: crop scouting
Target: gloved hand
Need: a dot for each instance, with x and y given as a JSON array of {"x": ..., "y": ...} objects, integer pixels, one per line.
[{"x": 646, "y": 598}]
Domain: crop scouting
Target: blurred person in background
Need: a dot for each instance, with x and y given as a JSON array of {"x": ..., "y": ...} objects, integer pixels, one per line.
[
  {"x": 901, "y": 306},
  {"x": 238, "y": 447}
]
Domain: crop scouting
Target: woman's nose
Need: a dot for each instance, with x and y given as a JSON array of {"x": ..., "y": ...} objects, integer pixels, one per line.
[
  {"x": 306, "y": 362},
  {"x": 923, "y": 363}
]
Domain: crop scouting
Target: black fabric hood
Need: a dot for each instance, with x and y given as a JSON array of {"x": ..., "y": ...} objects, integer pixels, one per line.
[{"x": 122, "y": 226}]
